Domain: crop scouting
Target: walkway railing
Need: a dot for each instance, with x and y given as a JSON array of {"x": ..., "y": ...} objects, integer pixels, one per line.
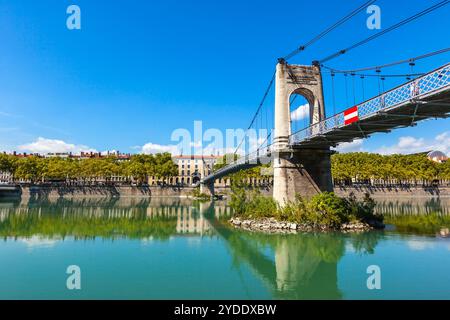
[{"x": 414, "y": 89}]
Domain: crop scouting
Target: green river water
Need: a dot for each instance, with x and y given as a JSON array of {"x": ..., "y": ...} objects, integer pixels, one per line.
[{"x": 158, "y": 248}]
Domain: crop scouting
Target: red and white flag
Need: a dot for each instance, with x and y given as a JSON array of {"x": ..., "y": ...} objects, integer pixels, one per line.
[{"x": 351, "y": 115}]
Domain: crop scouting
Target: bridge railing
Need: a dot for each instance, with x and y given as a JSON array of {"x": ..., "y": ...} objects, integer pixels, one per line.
[
  {"x": 250, "y": 158},
  {"x": 414, "y": 89}
]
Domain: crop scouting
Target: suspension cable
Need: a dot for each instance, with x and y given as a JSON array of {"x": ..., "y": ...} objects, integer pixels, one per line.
[
  {"x": 328, "y": 30},
  {"x": 391, "y": 28},
  {"x": 390, "y": 75},
  {"x": 333, "y": 92},
  {"x": 266, "y": 93},
  {"x": 410, "y": 60}
]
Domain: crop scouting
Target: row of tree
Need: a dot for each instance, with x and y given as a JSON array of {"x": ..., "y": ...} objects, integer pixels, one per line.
[
  {"x": 407, "y": 169},
  {"x": 346, "y": 168},
  {"x": 139, "y": 167}
]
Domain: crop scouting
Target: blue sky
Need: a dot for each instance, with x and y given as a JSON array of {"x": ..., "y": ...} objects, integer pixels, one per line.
[{"x": 138, "y": 70}]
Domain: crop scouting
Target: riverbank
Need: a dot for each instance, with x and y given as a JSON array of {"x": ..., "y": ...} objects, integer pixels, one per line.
[
  {"x": 101, "y": 191},
  {"x": 186, "y": 191},
  {"x": 393, "y": 191}
]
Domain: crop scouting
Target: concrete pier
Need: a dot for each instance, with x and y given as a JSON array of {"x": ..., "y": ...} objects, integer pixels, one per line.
[
  {"x": 207, "y": 188},
  {"x": 303, "y": 172},
  {"x": 298, "y": 171}
]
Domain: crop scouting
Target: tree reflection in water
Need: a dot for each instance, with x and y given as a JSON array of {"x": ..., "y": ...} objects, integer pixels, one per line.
[{"x": 293, "y": 266}]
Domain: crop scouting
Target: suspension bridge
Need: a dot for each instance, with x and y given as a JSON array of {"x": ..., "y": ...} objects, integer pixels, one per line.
[{"x": 301, "y": 159}]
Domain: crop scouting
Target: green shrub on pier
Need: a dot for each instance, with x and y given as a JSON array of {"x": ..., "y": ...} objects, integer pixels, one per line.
[
  {"x": 197, "y": 195},
  {"x": 252, "y": 204},
  {"x": 323, "y": 210}
]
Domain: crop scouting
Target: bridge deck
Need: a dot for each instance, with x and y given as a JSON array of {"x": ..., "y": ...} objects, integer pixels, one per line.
[
  {"x": 423, "y": 98},
  {"x": 426, "y": 97}
]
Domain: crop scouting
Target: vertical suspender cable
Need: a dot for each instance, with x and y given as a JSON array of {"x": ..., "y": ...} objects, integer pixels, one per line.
[
  {"x": 363, "y": 91},
  {"x": 346, "y": 90},
  {"x": 333, "y": 92},
  {"x": 378, "y": 79},
  {"x": 354, "y": 93}
]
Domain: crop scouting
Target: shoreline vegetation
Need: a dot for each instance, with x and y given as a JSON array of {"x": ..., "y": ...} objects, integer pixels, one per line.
[
  {"x": 323, "y": 212},
  {"x": 347, "y": 169}
]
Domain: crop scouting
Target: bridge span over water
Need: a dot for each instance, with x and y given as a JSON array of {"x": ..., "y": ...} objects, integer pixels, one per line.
[{"x": 301, "y": 160}]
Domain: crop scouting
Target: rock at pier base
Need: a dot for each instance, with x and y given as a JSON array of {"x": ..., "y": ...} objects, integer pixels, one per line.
[{"x": 270, "y": 225}]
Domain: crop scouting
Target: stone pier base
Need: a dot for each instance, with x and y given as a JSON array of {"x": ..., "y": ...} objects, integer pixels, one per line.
[
  {"x": 305, "y": 172},
  {"x": 207, "y": 188}
]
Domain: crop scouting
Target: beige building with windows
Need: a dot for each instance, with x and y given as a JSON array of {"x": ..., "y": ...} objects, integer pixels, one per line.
[
  {"x": 191, "y": 169},
  {"x": 5, "y": 177}
]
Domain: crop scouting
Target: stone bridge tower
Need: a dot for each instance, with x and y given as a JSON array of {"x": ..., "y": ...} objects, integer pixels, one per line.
[{"x": 298, "y": 170}]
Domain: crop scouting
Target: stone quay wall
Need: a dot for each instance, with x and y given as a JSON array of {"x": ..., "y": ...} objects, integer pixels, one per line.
[{"x": 167, "y": 191}]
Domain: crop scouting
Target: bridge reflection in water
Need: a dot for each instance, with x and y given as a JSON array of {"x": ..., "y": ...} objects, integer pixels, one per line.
[{"x": 291, "y": 266}]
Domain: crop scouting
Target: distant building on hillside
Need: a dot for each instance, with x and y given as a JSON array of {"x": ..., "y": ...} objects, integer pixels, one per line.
[
  {"x": 80, "y": 156},
  {"x": 437, "y": 156}
]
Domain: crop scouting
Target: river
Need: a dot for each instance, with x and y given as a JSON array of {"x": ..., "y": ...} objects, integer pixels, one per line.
[{"x": 161, "y": 248}]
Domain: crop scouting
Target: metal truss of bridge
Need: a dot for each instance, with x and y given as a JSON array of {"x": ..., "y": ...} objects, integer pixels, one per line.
[{"x": 423, "y": 98}]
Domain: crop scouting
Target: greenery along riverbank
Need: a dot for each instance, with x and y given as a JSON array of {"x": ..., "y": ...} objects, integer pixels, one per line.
[
  {"x": 421, "y": 223},
  {"x": 323, "y": 211},
  {"x": 139, "y": 167},
  {"x": 346, "y": 168},
  {"x": 54, "y": 225},
  {"x": 361, "y": 166}
]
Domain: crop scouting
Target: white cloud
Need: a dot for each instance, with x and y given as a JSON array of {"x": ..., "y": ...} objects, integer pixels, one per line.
[
  {"x": 5, "y": 114},
  {"x": 39, "y": 242},
  {"x": 195, "y": 148},
  {"x": 355, "y": 146},
  {"x": 418, "y": 245},
  {"x": 300, "y": 113},
  {"x": 444, "y": 138},
  {"x": 6, "y": 130},
  {"x": 44, "y": 146},
  {"x": 106, "y": 152},
  {"x": 408, "y": 144},
  {"x": 151, "y": 148}
]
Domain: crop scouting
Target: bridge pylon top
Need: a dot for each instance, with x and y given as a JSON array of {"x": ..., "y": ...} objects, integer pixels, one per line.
[{"x": 305, "y": 80}]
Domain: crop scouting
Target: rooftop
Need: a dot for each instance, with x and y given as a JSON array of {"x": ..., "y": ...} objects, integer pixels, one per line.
[{"x": 193, "y": 157}]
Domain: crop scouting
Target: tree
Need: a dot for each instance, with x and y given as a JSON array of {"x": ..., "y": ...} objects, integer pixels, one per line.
[{"x": 29, "y": 169}]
